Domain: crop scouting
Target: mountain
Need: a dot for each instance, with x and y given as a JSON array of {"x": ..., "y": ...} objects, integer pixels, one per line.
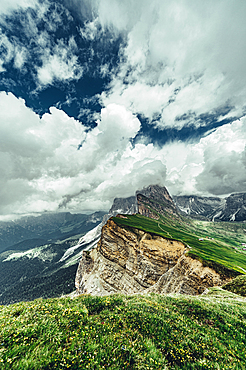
[
  {"x": 39, "y": 255},
  {"x": 145, "y": 201},
  {"x": 36, "y": 267},
  {"x": 155, "y": 200},
  {"x": 48, "y": 227},
  {"x": 124, "y": 205},
  {"x": 130, "y": 260},
  {"x": 90, "y": 239},
  {"x": 159, "y": 250},
  {"x": 234, "y": 208},
  {"x": 199, "y": 207},
  {"x": 231, "y": 208},
  {"x": 45, "y": 263}
]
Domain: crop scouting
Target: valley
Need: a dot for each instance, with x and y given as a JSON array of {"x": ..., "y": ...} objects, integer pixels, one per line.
[{"x": 164, "y": 291}]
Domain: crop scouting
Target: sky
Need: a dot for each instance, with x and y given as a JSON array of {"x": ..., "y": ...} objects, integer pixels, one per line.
[{"x": 100, "y": 98}]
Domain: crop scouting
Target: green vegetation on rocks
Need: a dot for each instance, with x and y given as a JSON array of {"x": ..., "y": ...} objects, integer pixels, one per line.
[
  {"x": 125, "y": 332},
  {"x": 237, "y": 286},
  {"x": 217, "y": 245}
]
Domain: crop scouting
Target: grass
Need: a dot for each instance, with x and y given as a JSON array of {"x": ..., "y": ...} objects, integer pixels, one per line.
[
  {"x": 125, "y": 332},
  {"x": 220, "y": 247},
  {"x": 237, "y": 285}
]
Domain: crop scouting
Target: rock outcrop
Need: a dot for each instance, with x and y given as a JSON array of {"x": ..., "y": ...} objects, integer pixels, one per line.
[
  {"x": 154, "y": 201},
  {"x": 133, "y": 261},
  {"x": 229, "y": 209},
  {"x": 124, "y": 205},
  {"x": 199, "y": 207}
]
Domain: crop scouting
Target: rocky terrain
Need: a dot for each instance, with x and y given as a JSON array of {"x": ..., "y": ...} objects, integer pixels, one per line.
[
  {"x": 44, "y": 261},
  {"x": 199, "y": 207},
  {"x": 133, "y": 261},
  {"x": 154, "y": 201},
  {"x": 234, "y": 209},
  {"x": 39, "y": 255},
  {"x": 231, "y": 208}
]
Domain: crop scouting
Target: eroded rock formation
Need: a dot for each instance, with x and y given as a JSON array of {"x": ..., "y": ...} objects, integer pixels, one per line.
[
  {"x": 154, "y": 201},
  {"x": 133, "y": 261}
]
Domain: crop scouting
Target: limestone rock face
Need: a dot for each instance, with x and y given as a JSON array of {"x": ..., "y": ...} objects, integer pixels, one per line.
[
  {"x": 188, "y": 276},
  {"x": 133, "y": 261},
  {"x": 155, "y": 200},
  {"x": 124, "y": 205}
]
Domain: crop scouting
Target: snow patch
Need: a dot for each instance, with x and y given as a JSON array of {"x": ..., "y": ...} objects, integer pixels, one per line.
[
  {"x": 233, "y": 216},
  {"x": 89, "y": 240},
  {"x": 217, "y": 215},
  {"x": 43, "y": 253}
]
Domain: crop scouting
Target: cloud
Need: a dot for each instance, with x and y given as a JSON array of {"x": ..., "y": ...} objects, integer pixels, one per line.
[
  {"x": 188, "y": 58},
  {"x": 8, "y": 6},
  {"x": 35, "y": 45},
  {"x": 43, "y": 170},
  {"x": 59, "y": 63},
  {"x": 32, "y": 149},
  {"x": 179, "y": 63},
  {"x": 53, "y": 163},
  {"x": 214, "y": 166},
  {"x": 224, "y": 169},
  {"x": 11, "y": 51}
]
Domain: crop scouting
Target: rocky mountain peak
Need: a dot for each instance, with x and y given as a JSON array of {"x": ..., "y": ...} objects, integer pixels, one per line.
[
  {"x": 124, "y": 205},
  {"x": 235, "y": 208},
  {"x": 155, "y": 200},
  {"x": 156, "y": 192},
  {"x": 232, "y": 208},
  {"x": 199, "y": 207}
]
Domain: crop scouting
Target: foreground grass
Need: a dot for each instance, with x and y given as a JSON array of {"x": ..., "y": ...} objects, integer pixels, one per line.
[
  {"x": 220, "y": 245},
  {"x": 119, "y": 332}
]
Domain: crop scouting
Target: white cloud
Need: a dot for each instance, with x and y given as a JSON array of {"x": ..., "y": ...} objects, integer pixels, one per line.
[
  {"x": 90, "y": 30},
  {"x": 42, "y": 168},
  {"x": 180, "y": 59},
  {"x": 10, "y": 50},
  {"x": 8, "y": 6},
  {"x": 215, "y": 165},
  {"x": 31, "y": 149},
  {"x": 53, "y": 59},
  {"x": 187, "y": 57},
  {"x": 59, "y": 63}
]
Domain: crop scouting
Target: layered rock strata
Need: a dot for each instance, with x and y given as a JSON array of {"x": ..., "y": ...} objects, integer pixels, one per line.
[
  {"x": 154, "y": 201},
  {"x": 133, "y": 261}
]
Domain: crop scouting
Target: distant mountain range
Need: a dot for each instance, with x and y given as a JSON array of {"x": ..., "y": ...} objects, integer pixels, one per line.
[
  {"x": 232, "y": 208},
  {"x": 31, "y": 252},
  {"x": 34, "y": 231},
  {"x": 39, "y": 255}
]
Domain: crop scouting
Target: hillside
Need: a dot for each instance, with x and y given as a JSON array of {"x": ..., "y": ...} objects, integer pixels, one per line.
[
  {"x": 35, "y": 266},
  {"x": 229, "y": 209},
  {"x": 220, "y": 247},
  {"x": 164, "y": 252},
  {"x": 24, "y": 232},
  {"x": 125, "y": 332}
]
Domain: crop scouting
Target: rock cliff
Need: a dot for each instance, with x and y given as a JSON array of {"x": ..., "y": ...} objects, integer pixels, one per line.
[
  {"x": 133, "y": 261},
  {"x": 154, "y": 201}
]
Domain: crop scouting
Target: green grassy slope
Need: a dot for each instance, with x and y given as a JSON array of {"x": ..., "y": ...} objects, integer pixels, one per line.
[
  {"x": 117, "y": 332},
  {"x": 223, "y": 251},
  {"x": 237, "y": 285}
]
